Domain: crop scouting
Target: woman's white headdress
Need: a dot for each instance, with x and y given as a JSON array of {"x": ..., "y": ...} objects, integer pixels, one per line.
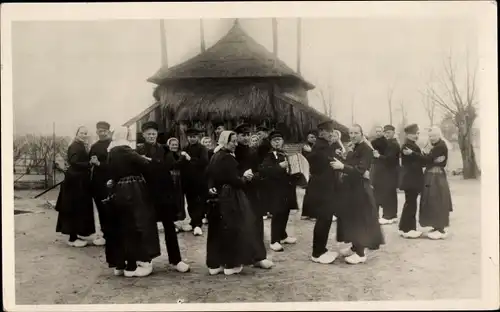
[{"x": 119, "y": 138}]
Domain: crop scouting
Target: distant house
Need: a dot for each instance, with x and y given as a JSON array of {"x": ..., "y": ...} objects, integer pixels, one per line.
[{"x": 235, "y": 80}]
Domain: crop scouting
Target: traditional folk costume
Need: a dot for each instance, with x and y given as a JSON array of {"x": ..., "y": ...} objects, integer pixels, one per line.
[
  {"x": 282, "y": 193},
  {"x": 133, "y": 235},
  {"x": 161, "y": 187},
  {"x": 248, "y": 160},
  {"x": 435, "y": 201},
  {"x": 359, "y": 213},
  {"x": 412, "y": 181},
  {"x": 74, "y": 203},
  {"x": 195, "y": 182},
  {"x": 99, "y": 178},
  {"x": 232, "y": 239},
  {"x": 386, "y": 179},
  {"x": 323, "y": 194}
]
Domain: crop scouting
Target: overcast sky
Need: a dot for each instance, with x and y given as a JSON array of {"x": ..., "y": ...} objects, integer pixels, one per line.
[{"x": 77, "y": 73}]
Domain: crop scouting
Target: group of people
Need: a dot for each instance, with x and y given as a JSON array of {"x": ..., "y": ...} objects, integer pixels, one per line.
[{"x": 236, "y": 184}]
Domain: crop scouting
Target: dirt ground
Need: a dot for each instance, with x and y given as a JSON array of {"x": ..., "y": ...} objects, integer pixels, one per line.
[{"x": 50, "y": 272}]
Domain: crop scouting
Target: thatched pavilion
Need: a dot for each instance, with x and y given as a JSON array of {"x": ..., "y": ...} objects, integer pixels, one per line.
[{"x": 235, "y": 80}]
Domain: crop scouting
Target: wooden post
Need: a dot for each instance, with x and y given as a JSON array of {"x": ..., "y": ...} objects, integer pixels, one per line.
[
  {"x": 275, "y": 36},
  {"x": 163, "y": 42},
  {"x": 299, "y": 43},
  {"x": 202, "y": 36}
]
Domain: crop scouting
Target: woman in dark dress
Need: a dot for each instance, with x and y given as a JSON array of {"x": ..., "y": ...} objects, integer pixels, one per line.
[
  {"x": 232, "y": 238},
  {"x": 435, "y": 201},
  {"x": 134, "y": 234},
  {"x": 74, "y": 203},
  {"x": 359, "y": 213}
]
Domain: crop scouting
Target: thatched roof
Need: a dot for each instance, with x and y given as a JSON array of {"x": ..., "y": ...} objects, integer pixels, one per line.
[{"x": 236, "y": 55}]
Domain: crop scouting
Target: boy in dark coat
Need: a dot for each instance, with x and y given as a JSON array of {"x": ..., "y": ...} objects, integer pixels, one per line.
[
  {"x": 323, "y": 191},
  {"x": 412, "y": 182},
  {"x": 194, "y": 180},
  {"x": 275, "y": 170},
  {"x": 387, "y": 177},
  {"x": 160, "y": 185}
]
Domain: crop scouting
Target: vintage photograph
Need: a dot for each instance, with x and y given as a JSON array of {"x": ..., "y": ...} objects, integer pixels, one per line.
[{"x": 247, "y": 159}]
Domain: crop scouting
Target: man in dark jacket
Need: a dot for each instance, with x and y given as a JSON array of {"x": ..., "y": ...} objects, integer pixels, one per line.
[
  {"x": 98, "y": 157},
  {"x": 412, "y": 180},
  {"x": 386, "y": 183},
  {"x": 195, "y": 184},
  {"x": 248, "y": 160},
  {"x": 379, "y": 144},
  {"x": 159, "y": 183},
  {"x": 263, "y": 149}
]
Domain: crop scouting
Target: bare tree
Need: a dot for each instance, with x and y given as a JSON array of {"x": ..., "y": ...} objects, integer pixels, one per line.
[
  {"x": 390, "y": 93},
  {"x": 404, "y": 120},
  {"x": 19, "y": 147},
  {"x": 429, "y": 107},
  {"x": 461, "y": 103},
  {"x": 325, "y": 96}
]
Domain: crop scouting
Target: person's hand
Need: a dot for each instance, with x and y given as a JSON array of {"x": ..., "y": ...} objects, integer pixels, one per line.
[
  {"x": 284, "y": 164},
  {"x": 186, "y": 155},
  {"x": 407, "y": 151},
  {"x": 110, "y": 183},
  {"x": 376, "y": 154},
  {"x": 366, "y": 175},
  {"x": 337, "y": 165},
  {"x": 307, "y": 148},
  {"x": 147, "y": 158},
  {"x": 440, "y": 159}
]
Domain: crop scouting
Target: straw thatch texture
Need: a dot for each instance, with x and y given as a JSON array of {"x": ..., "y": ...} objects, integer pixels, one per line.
[
  {"x": 236, "y": 55},
  {"x": 232, "y": 100}
]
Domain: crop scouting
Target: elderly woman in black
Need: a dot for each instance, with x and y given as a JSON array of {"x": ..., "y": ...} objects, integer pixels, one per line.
[
  {"x": 359, "y": 213},
  {"x": 134, "y": 235},
  {"x": 232, "y": 237},
  {"x": 74, "y": 203},
  {"x": 174, "y": 161}
]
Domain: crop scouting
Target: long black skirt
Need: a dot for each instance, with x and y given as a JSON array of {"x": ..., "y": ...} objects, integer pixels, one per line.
[
  {"x": 358, "y": 217},
  {"x": 435, "y": 201},
  {"x": 232, "y": 238},
  {"x": 133, "y": 229},
  {"x": 75, "y": 207}
]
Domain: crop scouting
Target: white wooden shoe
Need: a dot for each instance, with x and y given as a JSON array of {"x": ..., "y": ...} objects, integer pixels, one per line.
[
  {"x": 355, "y": 259},
  {"x": 326, "y": 258},
  {"x": 277, "y": 247},
  {"x": 334, "y": 218},
  {"x": 289, "y": 240},
  {"x": 197, "y": 231},
  {"x": 215, "y": 271},
  {"x": 264, "y": 264},
  {"x": 233, "y": 270},
  {"x": 78, "y": 243},
  {"x": 140, "y": 271},
  {"x": 182, "y": 267},
  {"x": 100, "y": 241},
  {"x": 412, "y": 234},
  {"x": 435, "y": 235}
]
